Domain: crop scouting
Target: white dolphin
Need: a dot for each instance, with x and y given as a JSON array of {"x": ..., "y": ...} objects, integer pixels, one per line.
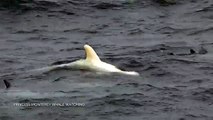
[{"x": 91, "y": 63}]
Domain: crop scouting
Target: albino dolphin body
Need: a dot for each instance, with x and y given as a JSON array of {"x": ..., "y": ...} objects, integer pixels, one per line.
[{"x": 92, "y": 63}]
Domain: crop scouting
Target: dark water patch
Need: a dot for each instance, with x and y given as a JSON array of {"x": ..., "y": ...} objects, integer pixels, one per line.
[
  {"x": 197, "y": 116},
  {"x": 36, "y": 77},
  {"x": 203, "y": 94},
  {"x": 67, "y": 12},
  {"x": 166, "y": 2},
  {"x": 62, "y": 62},
  {"x": 124, "y": 102},
  {"x": 75, "y": 42},
  {"x": 106, "y": 5},
  {"x": 148, "y": 87},
  {"x": 61, "y": 40},
  {"x": 59, "y": 79},
  {"x": 135, "y": 85},
  {"x": 71, "y": 49},
  {"x": 206, "y": 9},
  {"x": 117, "y": 112},
  {"x": 71, "y": 30},
  {"x": 89, "y": 31},
  {"x": 206, "y": 44},
  {"x": 168, "y": 92},
  {"x": 166, "y": 49},
  {"x": 198, "y": 81},
  {"x": 161, "y": 73},
  {"x": 64, "y": 11},
  {"x": 176, "y": 44},
  {"x": 136, "y": 3},
  {"x": 109, "y": 56},
  {"x": 181, "y": 51},
  {"x": 205, "y": 30},
  {"x": 29, "y": 31},
  {"x": 137, "y": 100},
  {"x": 6, "y": 117},
  {"x": 113, "y": 59},
  {"x": 114, "y": 96},
  {"x": 51, "y": 15},
  {"x": 69, "y": 92},
  {"x": 132, "y": 63},
  {"x": 10, "y": 61},
  {"x": 41, "y": 52},
  {"x": 145, "y": 51},
  {"x": 182, "y": 61},
  {"x": 100, "y": 26},
  {"x": 33, "y": 100},
  {"x": 12, "y": 4},
  {"x": 28, "y": 5},
  {"x": 202, "y": 50},
  {"x": 24, "y": 101},
  {"x": 209, "y": 17},
  {"x": 43, "y": 26},
  {"x": 47, "y": 3},
  {"x": 170, "y": 30},
  {"x": 136, "y": 31},
  {"x": 76, "y": 2},
  {"x": 9, "y": 76},
  {"x": 149, "y": 67},
  {"x": 208, "y": 68},
  {"x": 193, "y": 83},
  {"x": 170, "y": 89},
  {"x": 139, "y": 86}
]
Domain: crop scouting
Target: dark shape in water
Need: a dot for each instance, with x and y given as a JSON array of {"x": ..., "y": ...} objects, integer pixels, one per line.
[
  {"x": 7, "y": 84},
  {"x": 202, "y": 51},
  {"x": 192, "y": 51},
  {"x": 165, "y": 2},
  {"x": 67, "y": 12},
  {"x": 105, "y": 5},
  {"x": 170, "y": 53},
  {"x": 13, "y": 3}
]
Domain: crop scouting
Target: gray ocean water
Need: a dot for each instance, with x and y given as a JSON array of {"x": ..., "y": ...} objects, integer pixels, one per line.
[{"x": 170, "y": 45}]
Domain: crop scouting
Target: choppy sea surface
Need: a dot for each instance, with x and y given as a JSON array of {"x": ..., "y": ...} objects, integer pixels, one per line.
[{"x": 171, "y": 46}]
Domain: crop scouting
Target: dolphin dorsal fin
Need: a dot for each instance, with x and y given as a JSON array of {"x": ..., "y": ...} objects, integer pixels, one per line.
[
  {"x": 7, "y": 84},
  {"x": 91, "y": 54}
]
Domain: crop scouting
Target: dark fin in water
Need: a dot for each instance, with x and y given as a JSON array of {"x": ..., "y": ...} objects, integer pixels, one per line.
[
  {"x": 192, "y": 51},
  {"x": 7, "y": 84}
]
